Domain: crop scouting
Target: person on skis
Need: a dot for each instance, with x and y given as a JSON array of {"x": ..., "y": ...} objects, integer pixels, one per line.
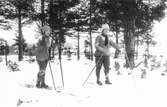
[
  {"x": 42, "y": 56},
  {"x": 102, "y": 53}
]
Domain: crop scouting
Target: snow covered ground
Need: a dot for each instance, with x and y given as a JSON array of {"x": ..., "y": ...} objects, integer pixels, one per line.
[{"x": 17, "y": 88}]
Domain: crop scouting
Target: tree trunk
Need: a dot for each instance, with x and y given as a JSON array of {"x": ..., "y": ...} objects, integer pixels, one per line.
[
  {"x": 20, "y": 36},
  {"x": 137, "y": 47},
  {"x": 78, "y": 52},
  {"x": 116, "y": 51},
  {"x": 146, "y": 53},
  {"x": 51, "y": 24},
  {"x": 129, "y": 42},
  {"x": 90, "y": 31},
  {"x": 6, "y": 56},
  {"x": 53, "y": 49},
  {"x": 42, "y": 12}
]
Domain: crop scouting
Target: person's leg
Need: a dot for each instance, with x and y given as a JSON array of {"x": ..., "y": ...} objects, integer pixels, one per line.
[
  {"x": 40, "y": 79},
  {"x": 45, "y": 64},
  {"x": 38, "y": 83},
  {"x": 98, "y": 61},
  {"x": 39, "y": 75},
  {"x": 43, "y": 84},
  {"x": 106, "y": 64}
]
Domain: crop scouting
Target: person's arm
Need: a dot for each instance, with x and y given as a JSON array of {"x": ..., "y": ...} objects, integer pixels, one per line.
[{"x": 114, "y": 45}]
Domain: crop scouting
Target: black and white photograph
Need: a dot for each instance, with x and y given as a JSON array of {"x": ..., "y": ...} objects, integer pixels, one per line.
[{"x": 83, "y": 53}]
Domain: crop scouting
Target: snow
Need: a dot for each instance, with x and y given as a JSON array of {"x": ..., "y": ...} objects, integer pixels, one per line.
[
  {"x": 127, "y": 90},
  {"x": 16, "y": 88}
]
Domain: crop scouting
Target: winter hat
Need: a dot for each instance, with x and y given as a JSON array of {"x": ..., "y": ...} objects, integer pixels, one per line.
[
  {"x": 46, "y": 30},
  {"x": 105, "y": 26}
]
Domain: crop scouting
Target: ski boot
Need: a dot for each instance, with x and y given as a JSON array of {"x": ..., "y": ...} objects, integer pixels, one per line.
[
  {"x": 39, "y": 79},
  {"x": 43, "y": 85},
  {"x": 107, "y": 81},
  {"x": 99, "y": 83}
]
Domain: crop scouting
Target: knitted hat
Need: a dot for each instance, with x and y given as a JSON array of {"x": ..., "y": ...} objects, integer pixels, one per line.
[
  {"x": 46, "y": 29},
  {"x": 105, "y": 26}
]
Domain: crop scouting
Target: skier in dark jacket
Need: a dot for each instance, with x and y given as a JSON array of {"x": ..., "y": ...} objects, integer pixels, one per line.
[
  {"x": 42, "y": 58},
  {"x": 102, "y": 53}
]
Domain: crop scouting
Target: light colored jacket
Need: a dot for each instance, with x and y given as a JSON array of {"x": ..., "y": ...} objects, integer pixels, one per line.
[{"x": 101, "y": 48}]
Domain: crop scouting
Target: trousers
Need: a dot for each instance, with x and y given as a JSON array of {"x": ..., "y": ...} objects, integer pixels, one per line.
[
  {"x": 105, "y": 61},
  {"x": 42, "y": 65},
  {"x": 41, "y": 74}
]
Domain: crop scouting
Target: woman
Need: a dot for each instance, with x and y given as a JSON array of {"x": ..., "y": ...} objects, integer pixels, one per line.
[
  {"x": 42, "y": 57},
  {"x": 102, "y": 53}
]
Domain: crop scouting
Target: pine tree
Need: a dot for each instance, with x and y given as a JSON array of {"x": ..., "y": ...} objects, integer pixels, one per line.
[
  {"x": 135, "y": 16},
  {"x": 4, "y": 24},
  {"x": 85, "y": 19},
  {"x": 19, "y": 9},
  {"x": 78, "y": 19},
  {"x": 17, "y": 43},
  {"x": 58, "y": 14}
]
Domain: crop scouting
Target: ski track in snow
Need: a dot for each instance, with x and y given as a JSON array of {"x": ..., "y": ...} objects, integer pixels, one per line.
[{"x": 18, "y": 88}]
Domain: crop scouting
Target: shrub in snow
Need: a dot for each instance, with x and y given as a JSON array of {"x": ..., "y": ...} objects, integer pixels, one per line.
[
  {"x": 117, "y": 67},
  {"x": 13, "y": 66},
  {"x": 143, "y": 75},
  {"x": 165, "y": 70},
  {"x": 31, "y": 60},
  {"x": 155, "y": 63}
]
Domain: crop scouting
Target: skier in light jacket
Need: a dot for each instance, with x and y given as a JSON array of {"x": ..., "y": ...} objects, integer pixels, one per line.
[{"x": 102, "y": 53}]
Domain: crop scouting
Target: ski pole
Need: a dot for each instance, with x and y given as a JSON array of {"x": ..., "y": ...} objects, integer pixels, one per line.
[
  {"x": 52, "y": 76},
  {"x": 92, "y": 70},
  {"x": 59, "y": 50},
  {"x": 61, "y": 72}
]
